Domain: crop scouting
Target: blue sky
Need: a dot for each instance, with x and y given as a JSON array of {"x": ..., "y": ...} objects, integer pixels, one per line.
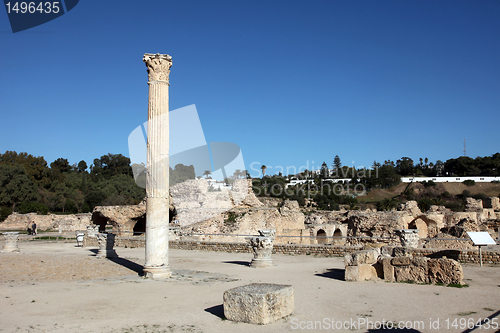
[{"x": 293, "y": 83}]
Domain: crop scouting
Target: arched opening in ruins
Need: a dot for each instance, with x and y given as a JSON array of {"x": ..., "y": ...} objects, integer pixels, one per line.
[
  {"x": 426, "y": 227},
  {"x": 321, "y": 237},
  {"x": 99, "y": 220},
  {"x": 140, "y": 225},
  {"x": 337, "y": 237},
  {"x": 420, "y": 225}
]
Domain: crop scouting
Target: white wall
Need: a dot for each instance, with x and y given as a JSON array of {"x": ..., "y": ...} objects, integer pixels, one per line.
[{"x": 450, "y": 179}]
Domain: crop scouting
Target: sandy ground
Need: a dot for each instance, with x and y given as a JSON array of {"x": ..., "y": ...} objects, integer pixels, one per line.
[{"x": 58, "y": 287}]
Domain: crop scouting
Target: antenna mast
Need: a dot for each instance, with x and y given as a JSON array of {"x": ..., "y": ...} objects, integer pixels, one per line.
[{"x": 465, "y": 149}]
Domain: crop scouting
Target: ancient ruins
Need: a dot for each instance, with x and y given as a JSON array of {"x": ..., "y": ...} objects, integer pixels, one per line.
[
  {"x": 401, "y": 264},
  {"x": 438, "y": 227}
]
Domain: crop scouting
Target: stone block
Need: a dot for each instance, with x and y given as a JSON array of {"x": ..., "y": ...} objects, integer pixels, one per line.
[
  {"x": 400, "y": 261},
  {"x": 416, "y": 274},
  {"x": 401, "y": 251},
  {"x": 387, "y": 251},
  {"x": 360, "y": 273},
  {"x": 388, "y": 269},
  {"x": 445, "y": 271},
  {"x": 362, "y": 257},
  {"x": 419, "y": 262},
  {"x": 258, "y": 303}
]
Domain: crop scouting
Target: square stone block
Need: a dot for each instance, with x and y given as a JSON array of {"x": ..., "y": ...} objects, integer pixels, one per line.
[
  {"x": 258, "y": 303},
  {"x": 360, "y": 273},
  {"x": 362, "y": 257},
  {"x": 401, "y": 261}
]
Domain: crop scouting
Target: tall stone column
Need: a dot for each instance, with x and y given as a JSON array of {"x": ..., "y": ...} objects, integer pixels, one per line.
[{"x": 157, "y": 173}]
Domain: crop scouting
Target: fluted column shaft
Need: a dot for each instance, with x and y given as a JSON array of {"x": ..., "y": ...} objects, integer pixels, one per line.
[{"x": 157, "y": 172}]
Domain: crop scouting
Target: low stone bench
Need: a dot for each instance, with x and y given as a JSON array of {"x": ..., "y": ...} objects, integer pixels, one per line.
[{"x": 258, "y": 303}]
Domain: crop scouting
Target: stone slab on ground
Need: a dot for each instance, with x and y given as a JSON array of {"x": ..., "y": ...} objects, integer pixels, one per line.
[{"x": 258, "y": 303}]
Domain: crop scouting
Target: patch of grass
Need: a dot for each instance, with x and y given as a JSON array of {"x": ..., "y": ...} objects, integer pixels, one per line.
[
  {"x": 457, "y": 285},
  {"x": 232, "y": 216},
  {"x": 464, "y": 314},
  {"x": 409, "y": 282},
  {"x": 488, "y": 309}
]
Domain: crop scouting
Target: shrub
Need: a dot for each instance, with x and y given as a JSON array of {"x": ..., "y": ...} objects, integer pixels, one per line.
[
  {"x": 481, "y": 196},
  {"x": 469, "y": 182},
  {"x": 388, "y": 204},
  {"x": 429, "y": 183},
  {"x": 456, "y": 206},
  {"x": 231, "y": 218},
  {"x": 466, "y": 194},
  {"x": 446, "y": 194},
  {"x": 33, "y": 207},
  {"x": 425, "y": 203}
]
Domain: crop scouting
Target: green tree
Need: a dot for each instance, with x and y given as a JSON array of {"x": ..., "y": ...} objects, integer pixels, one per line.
[
  {"x": 336, "y": 165},
  {"x": 16, "y": 186},
  {"x": 181, "y": 173},
  {"x": 404, "y": 166},
  {"x": 109, "y": 165},
  {"x": 263, "y": 168},
  {"x": 82, "y": 166},
  {"x": 35, "y": 167},
  {"x": 325, "y": 173},
  {"x": 61, "y": 165}
]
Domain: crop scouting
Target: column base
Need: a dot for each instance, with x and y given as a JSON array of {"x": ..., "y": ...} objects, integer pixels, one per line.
[
  {"x": 261, "y": 263},
  {"x": 10, "y": 248},
  {"x": 157, "y": 273}
]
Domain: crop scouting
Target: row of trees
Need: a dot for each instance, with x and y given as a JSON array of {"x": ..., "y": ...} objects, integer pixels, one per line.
[
  {"x": 328, "y": 194},
  {"x": 461, "y": 166},
  {"x": 28, "y": 183},
  {"x": 389, "y": 173}
]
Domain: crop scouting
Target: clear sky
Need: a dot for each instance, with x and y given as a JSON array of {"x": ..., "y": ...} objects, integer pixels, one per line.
[{"x": 293, "y": 83}]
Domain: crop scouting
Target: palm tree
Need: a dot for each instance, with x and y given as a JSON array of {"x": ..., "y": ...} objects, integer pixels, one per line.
[
  {"x": 207, "y": 173},
  {"x": 263, "y": 167},
  {"x": 237, "y": 173}
]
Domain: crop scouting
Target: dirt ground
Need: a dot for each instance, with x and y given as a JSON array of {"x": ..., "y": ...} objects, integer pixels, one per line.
[{"x": 58, "y": 287}]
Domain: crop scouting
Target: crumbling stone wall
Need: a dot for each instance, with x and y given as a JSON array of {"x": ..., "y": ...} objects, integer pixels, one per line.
[
  {"x": 401, "y": 267},
  {"x": 50, "y": 222}
]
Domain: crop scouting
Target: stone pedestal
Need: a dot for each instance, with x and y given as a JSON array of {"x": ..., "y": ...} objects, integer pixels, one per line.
[
  {"x": 106, "y": 245},
  {"x": 157, "y": 168},
  {"x": 11, "y": 241},
  {"x": 408, "y": 237},
  {"x": 262, "y": 248},
  {"x": 258, "y": 303}
]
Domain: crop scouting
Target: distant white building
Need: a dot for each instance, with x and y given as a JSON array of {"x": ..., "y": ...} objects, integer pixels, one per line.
[
  {"x": 294, "y": 182},
  {"x": 477, "y": 179},
  {"x": 216, "y": 185}
]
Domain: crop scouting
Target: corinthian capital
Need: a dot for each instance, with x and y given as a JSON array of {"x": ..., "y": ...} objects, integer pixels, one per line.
[{"x": 158, "y": 66}]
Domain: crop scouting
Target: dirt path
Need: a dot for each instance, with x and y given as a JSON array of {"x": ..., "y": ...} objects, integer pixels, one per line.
[{"x": 56, "y": 287}]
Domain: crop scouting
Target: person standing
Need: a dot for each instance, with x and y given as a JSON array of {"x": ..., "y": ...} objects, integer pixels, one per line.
[{"x": 33, "y": 228}]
